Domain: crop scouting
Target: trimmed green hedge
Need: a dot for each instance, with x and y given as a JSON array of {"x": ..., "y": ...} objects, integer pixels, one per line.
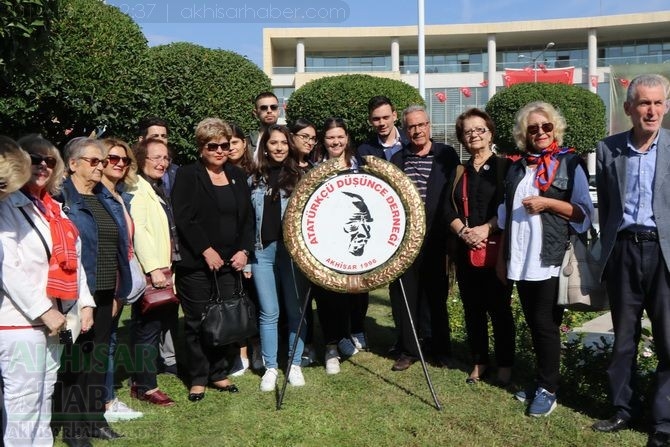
[
  {"x": 192, "y": 83},
  {"x": 584, "y": 112},
  {"x": 347, "y": 97}
]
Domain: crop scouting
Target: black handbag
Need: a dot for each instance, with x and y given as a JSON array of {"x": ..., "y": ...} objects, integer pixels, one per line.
[{"x": 228, "y": 320}]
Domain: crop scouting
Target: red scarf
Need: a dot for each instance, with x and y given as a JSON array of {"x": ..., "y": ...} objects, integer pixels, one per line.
[
  {"x": 62, "y": 281},
  {"x": 547, "y": 164}
]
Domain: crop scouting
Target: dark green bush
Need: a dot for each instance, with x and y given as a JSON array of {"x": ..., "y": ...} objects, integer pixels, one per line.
[
  {"x": 192, "y": 83},
  {"x": 346, "y": 97},
  {"x": 584, "y": 112}
]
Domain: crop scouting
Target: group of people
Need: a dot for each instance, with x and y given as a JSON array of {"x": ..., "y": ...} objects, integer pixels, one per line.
[{"x": 72, "y": 226}]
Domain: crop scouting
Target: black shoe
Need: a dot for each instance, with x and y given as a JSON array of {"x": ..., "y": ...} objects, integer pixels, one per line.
[
  {"x": 170, "y": 369},
  {"x": 403, "y": 362},
  {"x": 232, "y": 388},
  {"x": 658, "y": 439},
  {"x": 615, "y": 423},
  {"x": 105, "y": 433},
  {"x": 77, "y": 441},
  {"x": 195, "y": 397}
]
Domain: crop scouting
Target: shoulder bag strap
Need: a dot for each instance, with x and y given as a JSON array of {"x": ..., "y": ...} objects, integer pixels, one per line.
[
  {"x": 466, "y": 208},
  {"x": 46, "y": 248}
]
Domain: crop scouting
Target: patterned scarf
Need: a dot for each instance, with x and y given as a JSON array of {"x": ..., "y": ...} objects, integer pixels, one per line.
[
  {"x": 62, "y": 281},
  {"x": 547, "y": 164}
]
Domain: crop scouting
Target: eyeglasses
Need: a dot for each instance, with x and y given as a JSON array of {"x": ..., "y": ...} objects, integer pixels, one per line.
[
  {"x": 306, "y": 138},
  {"x": 418, "y": 126},
  {"x": 475, "y": 131},
  {"x": 160, "y": 158},
  {"x": 36, "y": 159},
  {"x": 213, "y": 147},
  {"x": 115, "y": 159},
  {"x": 95, "y": 161},
  {"x": 265, "y": 107},
  {"x": 535, "y": 128}
]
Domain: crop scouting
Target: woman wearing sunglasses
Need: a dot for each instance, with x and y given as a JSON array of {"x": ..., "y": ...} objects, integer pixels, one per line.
[
  {"x": 103, "y": 228},
  {"x": 546, "y": 198},
  {"x": 213, "y": 217},
  {"x": 117, "y": 177},
  {"x": 41, "y": 270}
]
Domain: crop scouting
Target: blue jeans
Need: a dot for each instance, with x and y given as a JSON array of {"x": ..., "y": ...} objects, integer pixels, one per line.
[{"x": 273, "y": 271}]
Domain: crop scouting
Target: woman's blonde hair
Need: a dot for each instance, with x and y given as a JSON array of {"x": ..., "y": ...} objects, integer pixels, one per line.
[
  {"x": 210, "y": 129},
  {"x": 520, "y": 131},
  {"x": 14, "y": 167},
  {"x": 37, "y": 144},
  {"x": 130, "y": 178}
]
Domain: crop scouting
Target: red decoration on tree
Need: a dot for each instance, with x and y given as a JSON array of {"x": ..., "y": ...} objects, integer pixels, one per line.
[
  {"x": 441, "y": 96},
  {"x": 624, "y": 82},
  {"x": 484, "y": 83},
  {"x": 594, "y": 81},
  {"x": 466, "y": 92}
]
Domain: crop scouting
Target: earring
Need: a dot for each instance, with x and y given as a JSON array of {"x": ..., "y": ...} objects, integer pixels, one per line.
[{"x": 265, "y": 153}]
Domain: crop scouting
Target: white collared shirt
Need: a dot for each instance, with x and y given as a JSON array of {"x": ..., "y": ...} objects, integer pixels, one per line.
[{"x": 525, "y": 242}]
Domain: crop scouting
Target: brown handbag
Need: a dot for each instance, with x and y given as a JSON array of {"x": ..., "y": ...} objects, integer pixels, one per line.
[{"x": 155, "y": 298}]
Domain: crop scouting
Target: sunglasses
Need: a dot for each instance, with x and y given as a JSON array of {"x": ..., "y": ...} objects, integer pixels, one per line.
[
  {"x": 272, "y": 107},
  {"x": 213, "y": 147},
  {"x": 36, "y": 160},
  {"x": 535, "y": 128},
  {"x": 95, "y": 161},
  {"x": 115, "y": 159}
]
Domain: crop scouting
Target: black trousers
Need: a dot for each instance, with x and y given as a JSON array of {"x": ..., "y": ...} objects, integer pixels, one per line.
[
  {"x": 483, "y": 296},
  {"x": 543, "y": 316},
  {"x": 425, "y": 282},
  {"x": 340, "y": 314},
  {"x": 638, "y": 279},
  {"x": 79, "y": 399},
  {"x": 145, "y": 338},
  {"x": 204, "y": 364}
]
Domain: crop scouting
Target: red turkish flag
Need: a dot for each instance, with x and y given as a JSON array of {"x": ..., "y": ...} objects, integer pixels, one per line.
[
  {"x": 594, "y": 81},
  {"x": 528, "y": 69},
  {"x": 484, "y": 83},
  {"x": 543, "y": 68},
  {"x": 441, "y": 96},
  {"x": 466, "y": 92},
  {"x": 624, "y": 82}
]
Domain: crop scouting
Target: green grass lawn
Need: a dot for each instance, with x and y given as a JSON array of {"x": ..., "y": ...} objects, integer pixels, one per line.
[{"x": 367, "y": 404}]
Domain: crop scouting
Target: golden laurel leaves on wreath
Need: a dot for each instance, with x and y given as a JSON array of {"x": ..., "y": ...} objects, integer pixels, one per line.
[{"x": 404, "y": 252}]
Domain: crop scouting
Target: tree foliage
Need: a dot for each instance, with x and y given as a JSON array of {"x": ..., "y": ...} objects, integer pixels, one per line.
[
  {"x": 96, "y": 75},
  {"x": 192, "y": 83},
  {"x": 584, "y": 112},
  {"x": 347, "y": 97}
]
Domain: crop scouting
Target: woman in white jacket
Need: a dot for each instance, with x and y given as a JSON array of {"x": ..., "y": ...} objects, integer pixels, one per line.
[{"x": 42, "y": 280}]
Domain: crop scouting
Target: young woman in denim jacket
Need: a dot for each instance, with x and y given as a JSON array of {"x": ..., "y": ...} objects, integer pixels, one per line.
[{"x": 273, "y": 270}]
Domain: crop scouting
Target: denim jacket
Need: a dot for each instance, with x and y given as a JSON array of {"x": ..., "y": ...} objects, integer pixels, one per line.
[
  {"x": 257, "y": 201},
  {"x": 75, "y": 209}
]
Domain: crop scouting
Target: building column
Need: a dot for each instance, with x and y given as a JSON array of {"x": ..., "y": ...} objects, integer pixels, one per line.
[
  {"x": 593, "y": 58},
  {"x": 491, "y": 75},
  {"x": 395, "y": 54},
  {"x": 300, "y": 56}
]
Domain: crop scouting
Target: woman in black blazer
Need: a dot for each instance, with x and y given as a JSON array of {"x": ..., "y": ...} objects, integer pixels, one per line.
[{"x": 212, "y": 210}]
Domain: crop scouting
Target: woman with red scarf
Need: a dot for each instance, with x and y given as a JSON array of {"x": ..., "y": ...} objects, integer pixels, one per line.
[
  {"x": 546, "y": 199},
  {"x": 42, "y": 279}
]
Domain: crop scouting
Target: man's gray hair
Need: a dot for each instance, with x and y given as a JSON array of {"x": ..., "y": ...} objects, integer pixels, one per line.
[
  {"x": 412, "y": 109},
  {"x": 647, "y": 80}
]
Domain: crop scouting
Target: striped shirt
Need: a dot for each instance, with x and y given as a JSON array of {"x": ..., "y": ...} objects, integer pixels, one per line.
[{"x": 418, "y": 170}]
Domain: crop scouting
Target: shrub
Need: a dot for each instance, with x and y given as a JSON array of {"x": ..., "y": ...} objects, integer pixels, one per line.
[
  {"x": 193, "y": 83},
  {"x": 347, "y": 97},
  {"x": 584, "y": 112}
]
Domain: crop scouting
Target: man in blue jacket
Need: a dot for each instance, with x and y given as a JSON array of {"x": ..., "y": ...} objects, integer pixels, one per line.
[{"x": 387, "y": 138}]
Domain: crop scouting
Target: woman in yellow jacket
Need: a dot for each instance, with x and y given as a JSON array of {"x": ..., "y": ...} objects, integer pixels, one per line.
[{"x": 155, "y": 249}]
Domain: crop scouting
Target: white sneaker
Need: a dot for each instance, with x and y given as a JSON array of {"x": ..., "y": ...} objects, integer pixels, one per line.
[
  {"x": 240, "y": 367},
  {"x": 295, "y": 377},
  {"x": 118, "y": 411},
  {"x": 256, "y": 358},
  {"x": 359, "y": 341},
  {"x": 332, "y": 361},
  {"x": 269, "y": 380},
  {"x": 347, "y": 348}
]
